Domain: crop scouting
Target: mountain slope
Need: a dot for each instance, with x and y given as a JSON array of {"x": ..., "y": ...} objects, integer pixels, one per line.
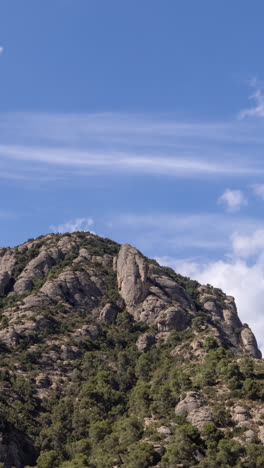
[{"x": 109, "y": 359}]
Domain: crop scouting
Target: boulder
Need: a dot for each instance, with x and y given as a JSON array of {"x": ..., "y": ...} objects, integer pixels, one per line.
[
  {"x": 145, "y": 342},
  {"x": 196, "y": 411},
  {"x": 108, "y": 313}
]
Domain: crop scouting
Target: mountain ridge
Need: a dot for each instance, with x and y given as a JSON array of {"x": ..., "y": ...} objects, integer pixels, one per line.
[{"x": 69, "y": 298}]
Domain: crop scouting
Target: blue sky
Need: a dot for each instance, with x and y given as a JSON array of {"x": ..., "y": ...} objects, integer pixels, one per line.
[{"x": 141, "y": 121}]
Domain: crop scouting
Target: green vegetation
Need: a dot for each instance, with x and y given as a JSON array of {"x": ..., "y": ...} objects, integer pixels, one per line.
[
  {"x": 87, "y": 398},
  {"x": 98, "y": 420}
]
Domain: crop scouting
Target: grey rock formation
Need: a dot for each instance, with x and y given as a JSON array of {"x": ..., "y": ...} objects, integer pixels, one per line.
[
  {"x": 36, "y": 269},
  {"x": 7, "y": 263},
  {"x": 241, "y": 416},
  {"x": 148, "y": 292},
  {"x": 132, "y": 270},
  {"x": 75, "y": 288},
  {"x": 195, "y": 410},
  {"x": 92, "y": 331},
  {"x": 149, "y": 295},
  {"x": 108, "y": 313},
  {"x": 191, "y": 402},
  {"x": 145, "y": 342},
  {"x": 249, "y": 343},
  {"x": 223, "y": 312}
]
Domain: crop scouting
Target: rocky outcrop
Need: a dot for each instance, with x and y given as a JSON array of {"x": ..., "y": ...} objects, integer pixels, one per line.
[
  {"x": 249, "y": 343},
  {"x": 241, "y": 416},
  {"x": 39, "y": 270},
  {"x": 145, "y": 342},
  {"x": 75, "y": 288},
  {"x": 92, "y": 331},
  {"x": 7, "y": 263},
  {"x": 196, "y": 411},
  {"x": 149, "y": 295},
  {"x": 223, "y": 312},
  {"x": 108, "y": 313},
  {"x": 132, "y": 270}
]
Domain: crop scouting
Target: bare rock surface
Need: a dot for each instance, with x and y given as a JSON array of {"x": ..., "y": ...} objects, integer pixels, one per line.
[
  {"x": 241, "y": 415},
  {"x": 108, "y": 313},
  {"x": 196, "y": 411},
  {"x": 249, "y": 343},
  {"x": 132, "y": 270},
  {"x": 145, "y": 342},
  {"x": 150, "y": 296}
]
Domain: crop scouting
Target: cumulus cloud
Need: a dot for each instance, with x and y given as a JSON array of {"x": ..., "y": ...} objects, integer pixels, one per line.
[
  {"x": 233, "y": 200},
  {"x": 79, "y": 224}
]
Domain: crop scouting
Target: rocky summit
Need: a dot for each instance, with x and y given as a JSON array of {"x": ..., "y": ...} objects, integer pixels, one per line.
[{"x": 110, "y": 360}]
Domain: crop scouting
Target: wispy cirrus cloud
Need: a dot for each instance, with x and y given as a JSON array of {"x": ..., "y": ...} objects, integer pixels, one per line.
[
  {"x": 258, "y": 98},
  {"x": 177, "y": 232},
  {"x": 126, "y": 162},
  {"x": 80, "y": 145}
]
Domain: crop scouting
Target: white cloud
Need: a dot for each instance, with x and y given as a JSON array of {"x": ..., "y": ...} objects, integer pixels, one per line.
[
  {"x": 79, "y": 224},
  {"x": 179, "y": 231},
  {"x": 127, "y": 162},
  {"x": 248, "y": 245},
  {"x": 258, "y": 97},
  {"x": 76, "y": 145},
  {"x": 1, "y": 50},
  {"x": 236, "y": 278},
  {"x": 258, "y": 190},
  {"x": 233, "y": 200},
  {"x": 237, "y": 240}
]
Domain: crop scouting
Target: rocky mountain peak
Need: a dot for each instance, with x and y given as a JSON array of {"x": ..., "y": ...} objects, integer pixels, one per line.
[
  {"x": 65, "y": 297},
  {"x": 73, "y": 271}
]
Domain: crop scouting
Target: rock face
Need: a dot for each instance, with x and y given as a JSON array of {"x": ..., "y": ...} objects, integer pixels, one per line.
[
  {"x": 65, "y": 270},
  {"x": 223, "y": 312},
  {"x": 108, "y": 313},
  {"x": 249, "y": 343},
  {"x": 241, "y": 416},
  {"x": 145, "y": 342},
  {"x": 149, "y": 295},
  {"x": 195, "y": 410},
  {"x": 132, "y": 271}
]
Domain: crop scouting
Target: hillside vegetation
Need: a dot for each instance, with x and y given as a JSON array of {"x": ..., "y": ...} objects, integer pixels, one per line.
[{"x": 111, "y": 360}]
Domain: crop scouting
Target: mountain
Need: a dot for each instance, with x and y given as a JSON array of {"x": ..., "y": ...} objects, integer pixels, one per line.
[{"x": 110, "y": 360}]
